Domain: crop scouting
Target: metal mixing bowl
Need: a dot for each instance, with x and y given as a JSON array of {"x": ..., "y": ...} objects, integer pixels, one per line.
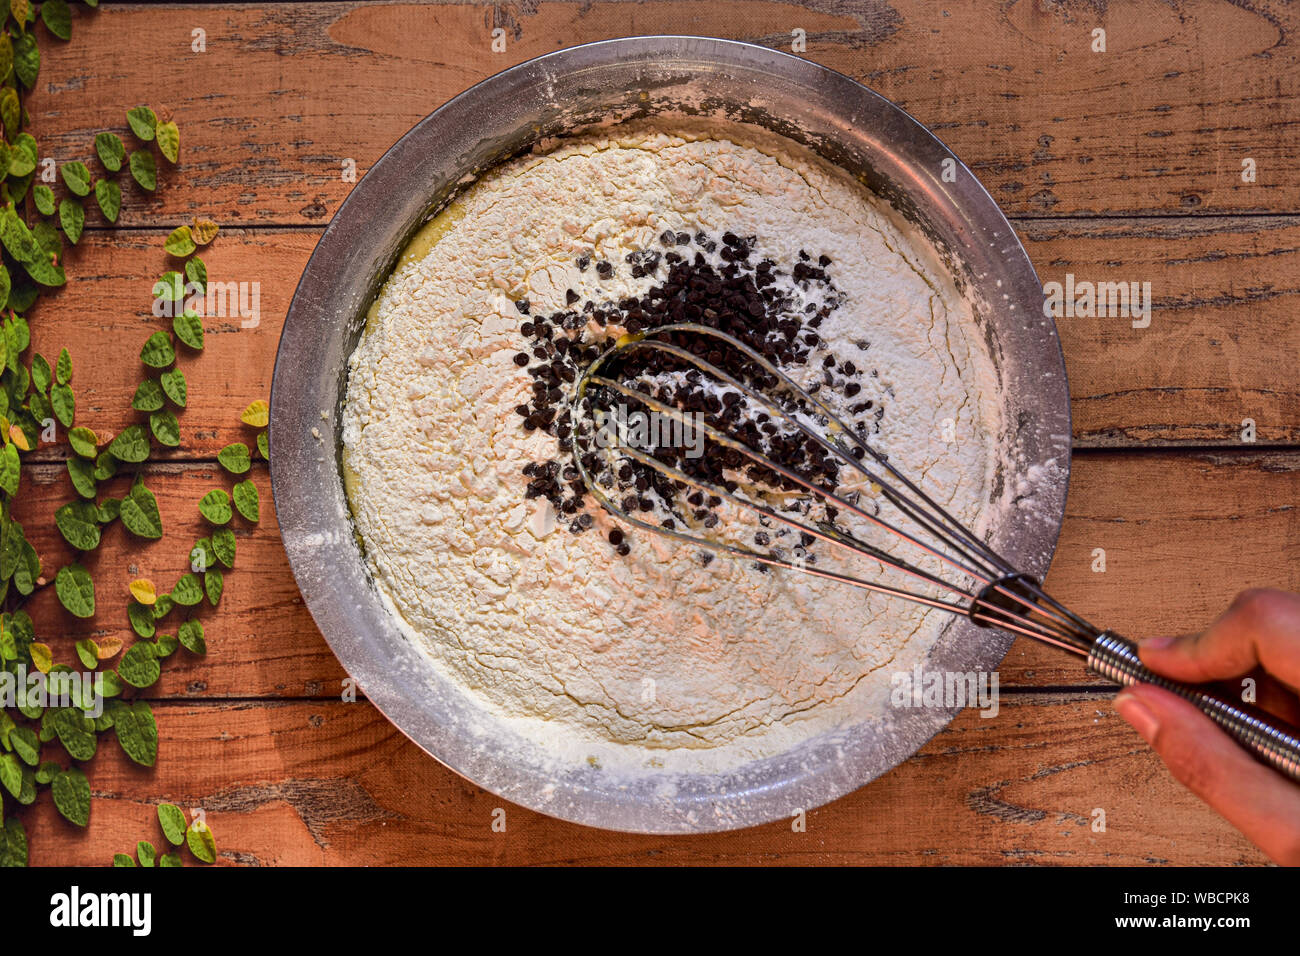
[{"x": 503, "y": 116}]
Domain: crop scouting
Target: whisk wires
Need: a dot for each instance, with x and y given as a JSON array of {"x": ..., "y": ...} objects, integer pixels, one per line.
[{"x": 989, "y": 590}]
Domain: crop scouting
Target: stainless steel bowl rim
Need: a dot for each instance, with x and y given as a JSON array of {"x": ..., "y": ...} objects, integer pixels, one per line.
[{"x": 496, "y": 118}]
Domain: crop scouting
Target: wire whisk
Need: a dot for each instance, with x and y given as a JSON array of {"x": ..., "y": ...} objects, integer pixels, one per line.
[{"x": 953, "y": 569}]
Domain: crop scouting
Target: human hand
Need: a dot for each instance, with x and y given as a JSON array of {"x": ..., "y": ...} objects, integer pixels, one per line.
[{"x": 1258, "y": 636}]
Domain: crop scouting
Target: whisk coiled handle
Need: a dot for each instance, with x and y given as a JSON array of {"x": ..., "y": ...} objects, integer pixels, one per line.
[{"x": 1116, "y": 659}]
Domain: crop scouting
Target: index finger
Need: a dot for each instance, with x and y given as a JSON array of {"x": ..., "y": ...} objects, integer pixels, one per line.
[{"x": 1261, "y": 628}]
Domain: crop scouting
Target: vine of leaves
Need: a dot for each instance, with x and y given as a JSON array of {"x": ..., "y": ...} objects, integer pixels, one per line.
[{"x": 37, "y": 398}]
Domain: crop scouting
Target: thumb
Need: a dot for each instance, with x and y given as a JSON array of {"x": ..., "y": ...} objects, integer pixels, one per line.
[{"x": 1259, "y": 802}]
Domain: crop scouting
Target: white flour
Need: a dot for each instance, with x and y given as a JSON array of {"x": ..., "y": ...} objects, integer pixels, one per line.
[{"x": 648, "y": 660}]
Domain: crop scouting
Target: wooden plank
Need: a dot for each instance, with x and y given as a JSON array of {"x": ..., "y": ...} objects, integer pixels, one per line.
[
  {"x": 1159, "y": 123},
  {"x": 1221, "y": 346},
  {"x": 104, "y": 316},
  {"x": 1181, "y": 535},
  {"x": 319, "y": 782}
]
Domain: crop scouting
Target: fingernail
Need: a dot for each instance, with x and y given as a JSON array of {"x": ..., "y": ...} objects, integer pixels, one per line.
[
  {"x": 1159, "y": 643},
  {"x": 1137, "y": 714}
]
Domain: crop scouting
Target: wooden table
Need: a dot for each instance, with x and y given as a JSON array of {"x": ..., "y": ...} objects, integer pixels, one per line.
[{"x": 1122, "y": 165}]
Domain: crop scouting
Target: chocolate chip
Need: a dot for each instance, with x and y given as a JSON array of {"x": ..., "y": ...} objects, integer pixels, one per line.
[{"x": 521, "y": 359}]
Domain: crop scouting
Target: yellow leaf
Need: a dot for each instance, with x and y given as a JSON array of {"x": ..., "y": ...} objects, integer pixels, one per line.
[
  {"x": 257, "y": 414},
  {"x": 142, "y": 590},
  {"x": 42, "y": 657},
  {"x": 17, "y": 436},
  {"x": 203, "y": 231},
  {"x": 108, "y": 647}
]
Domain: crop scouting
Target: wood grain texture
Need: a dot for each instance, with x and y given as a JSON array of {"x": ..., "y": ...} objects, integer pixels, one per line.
[
  {"x": 1222, "y": 521},
  {"x": 315, "y": 782},
  {"x": 1160, "y": 123},
  {"x": 1222, "y": 345},
  {"x": 1122, "y": 166}
]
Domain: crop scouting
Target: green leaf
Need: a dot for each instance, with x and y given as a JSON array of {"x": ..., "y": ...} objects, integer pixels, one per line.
[
  {"x": 63, "y": 368},
  {"x": 84, "y": 442},
  {"x": 191, "y": 636},
  {"x": 58, "y": 19},
  {"x": 144, "y": 850},
  {"x": 173, "y": 383},
  {"x": 13, "y": 843},
  {"x": 188, "y": 327},
  {"x": 71, "y": 793},
  {"x": 141, "y": 616},
  {"x": 82, "y": 474},
  {"x": 26, "y": 745},
  {"x": 170, "y": 287},
  {"x": 11, "y": 110},
  {"x": 11, "y": 774},
  {"x": 214, "y": 582},
  {"x": 72, "y": 216},
  {"x": 18, "y": 239},
  {"x": 28, "y": 570},
  {"x": 122, "y": 860},
  {"x": 76, "y": 590},
  {"x": 149, "y": 395},
  {"x": 6, "y": 60},
  {"x": 215, "y": 506},
  {"x": 132, "y": 445},
  {"x": 109, "y": 510},
  {"x": 173, "y": 823},
  {"x": 223, "y": 546},
  {"x": 163, "y": 606},
  {"x": 111, "y": 151},
  {"x": 234, "y": 458},
  {"x": 88, "y": 653},
  {"x": 136, "y": 729},
  {"x": 75, "y": 732},
  {"x": 196, "y": 271},
  {"x": 188, "y": 591},
  {"x": 27, "y": 59},
  {"x": 200, "y": 841},
  {"x": 143, "y": 169},
  {"x": 143, "y": 122},
  {"x": 42, "y": 374},
  {"x": 47, "y": 237},
  {"x": 165, "y": 428},
  {"x": 202, "y": 555},
  {"x": 262, "y": 448},
  {"x": 47, "y": 772},
  {"x": 140, "y": 513},
  {"x": 109, "y": 196},
  {"x": 77, "y": 177},
  {"x": 180, "y": 243},
  {"x": 64, "y": 403},
  {"x": 20, "y": 163},
  {"x": 43, "y": 196},
  {"x": 169, "y": 141},
  {"x": 44, "y": 271},
  {"x": 246, "y": 500},
  {"x": 10, "y": 470},
  {"x": 158, "y": 351},
  {"x": 138, "y": 667},
  {"x": 165, "y": 645},
  {"x": 169, "y": 859},
  {"x": 105, "y": 467},
  {"x": 78, "y": 522}
]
